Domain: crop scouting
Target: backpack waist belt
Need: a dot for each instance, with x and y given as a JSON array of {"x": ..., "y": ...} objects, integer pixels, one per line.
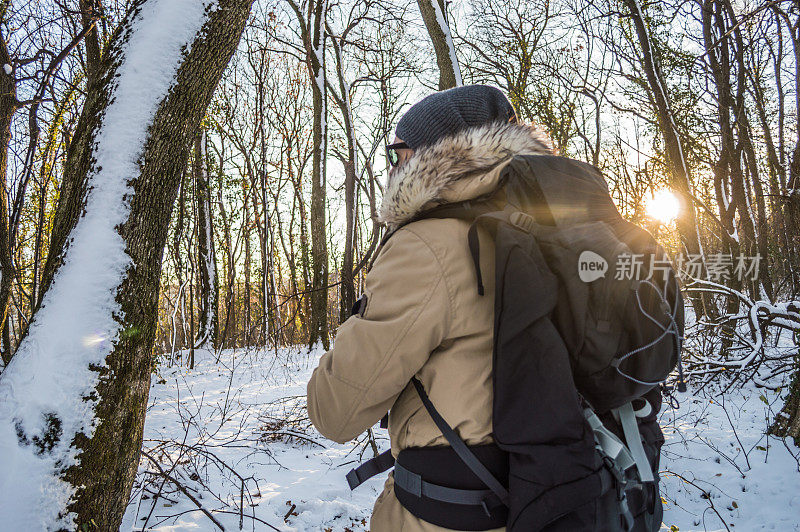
[
  {"x": 415, "y": 485},
  {"x": 449, "y": 495},
  {"x": 434, "y": 484},
  {"x": 369, "y": 469}
]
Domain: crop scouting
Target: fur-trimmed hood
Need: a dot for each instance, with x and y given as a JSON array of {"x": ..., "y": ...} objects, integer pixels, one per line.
[{"x": 457, "y": 168}]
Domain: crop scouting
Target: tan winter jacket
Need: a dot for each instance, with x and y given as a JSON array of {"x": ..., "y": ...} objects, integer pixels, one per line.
[{"x": 423, "y": 316}]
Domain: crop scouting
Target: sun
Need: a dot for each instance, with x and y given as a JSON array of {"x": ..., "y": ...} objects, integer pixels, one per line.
[{"x": 663, "y": 206}]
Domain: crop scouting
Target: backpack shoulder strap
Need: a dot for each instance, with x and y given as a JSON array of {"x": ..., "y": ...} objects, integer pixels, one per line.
[
  {"x": 474, "y": 211},
  {"x": 462, "y": 210}
]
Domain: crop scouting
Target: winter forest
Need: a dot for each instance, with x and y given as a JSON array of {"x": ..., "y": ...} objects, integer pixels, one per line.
[{"x": 190, "y": 204}]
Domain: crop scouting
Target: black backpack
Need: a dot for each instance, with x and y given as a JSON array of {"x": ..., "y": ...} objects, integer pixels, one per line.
[{"x": 588, "y": 323}]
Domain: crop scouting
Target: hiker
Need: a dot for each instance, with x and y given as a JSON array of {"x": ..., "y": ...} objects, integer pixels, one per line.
[
  {"x": 422, "y": 315},
  {"x": 421, "y": 340}
]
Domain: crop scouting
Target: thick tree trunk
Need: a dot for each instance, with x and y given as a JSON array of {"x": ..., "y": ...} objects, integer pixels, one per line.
[
  {"x": 124, "y": 387},
  {"x": 209, "y": 287},
  {"x": 102, "y": 473},
  {"x": 319, "y": 236},
  {"x": 433, "y": 13}
]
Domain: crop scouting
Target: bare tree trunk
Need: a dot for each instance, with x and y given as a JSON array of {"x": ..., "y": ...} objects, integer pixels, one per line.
[
  {"x": 177, "y": 259},
  {"x": 8, "y": 106},
  {"x": 230, "y": 269},
  {"x": 679, "y": 170},
  {"x": 761, "y": 234},
  {"x": 792, "y": 205},
  {"x": 312, "y": 31},
  {"x": 728, "y": 172},
  {"x": 207, "y": 258},
  {"x": 274, "y": 325},
  {"x": 782, "y": 233},
  {"x": 787, "y": 422},
  {"x": 348, "y": 291},
  {"x": 248, "y": 258},
  {"x": 90, "y": 11},
  {"x": 105, "y": 460},
  {"x": 434, "y": 14}
]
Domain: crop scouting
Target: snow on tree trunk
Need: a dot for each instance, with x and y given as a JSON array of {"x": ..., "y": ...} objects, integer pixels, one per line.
[
  {"x": 73, "y": 399},
  {"x": 433, "y": 14},
  {"x": 209, "y": 288}
]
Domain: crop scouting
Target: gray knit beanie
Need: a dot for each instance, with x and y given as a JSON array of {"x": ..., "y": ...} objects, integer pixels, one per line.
[{"x": 447, "y": 112}]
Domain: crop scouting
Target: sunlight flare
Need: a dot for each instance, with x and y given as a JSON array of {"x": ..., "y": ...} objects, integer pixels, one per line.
[{"x": 663, "y": 206}]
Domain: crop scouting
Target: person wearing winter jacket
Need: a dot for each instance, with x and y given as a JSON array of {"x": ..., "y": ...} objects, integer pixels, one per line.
[{"x": 421, "y": 315}]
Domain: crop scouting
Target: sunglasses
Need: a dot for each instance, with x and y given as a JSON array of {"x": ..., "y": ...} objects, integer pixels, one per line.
[{"x": 391, "y": 152}]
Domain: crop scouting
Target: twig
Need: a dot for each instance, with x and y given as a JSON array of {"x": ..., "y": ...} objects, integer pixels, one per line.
[
  {"x": 707, "y": 497},
  {"x": 253, "y": 517},
  {"x": 741, "y": 445},
  {"x": 183, "y": 490}
]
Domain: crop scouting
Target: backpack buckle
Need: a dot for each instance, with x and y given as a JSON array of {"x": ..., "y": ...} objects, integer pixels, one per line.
[
  {"x": 626, "y": 517},
  {"x": 522, "y": 221}
]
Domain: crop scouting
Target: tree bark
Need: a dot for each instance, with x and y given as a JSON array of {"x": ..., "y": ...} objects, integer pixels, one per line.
[
  {"x": 348, "y": 291},
  {"x": 107, "y": 460},
  {"x": 787, "y": 422},
  {"x": 90, "y": 10},
  {"x": 207, "y": 258},
  {"x": 248, "y": 259},
  {"x": 312, "y": 31},
  {"x": 435, "y": 18},
  {"x": 8, "y": 106}
]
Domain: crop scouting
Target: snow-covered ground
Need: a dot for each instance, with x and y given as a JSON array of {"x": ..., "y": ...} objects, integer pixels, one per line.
[
  {"x": 718, "y": 464},
  {"x": 216, "y": 430},
  {"x": 226, "y": 406}
]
